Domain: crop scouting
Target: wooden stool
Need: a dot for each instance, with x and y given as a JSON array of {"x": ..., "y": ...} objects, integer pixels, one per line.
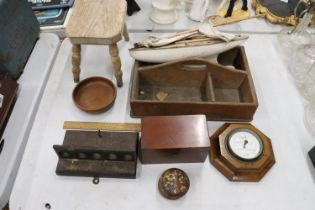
[{"x": 100, "y": 22}]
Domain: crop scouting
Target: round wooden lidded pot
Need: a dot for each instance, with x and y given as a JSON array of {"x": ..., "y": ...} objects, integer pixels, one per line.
[{"x": 173, "y": 183}]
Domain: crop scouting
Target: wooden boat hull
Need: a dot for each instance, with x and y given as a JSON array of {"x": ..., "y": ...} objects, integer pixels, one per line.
[{"x": 161, "y": 55}]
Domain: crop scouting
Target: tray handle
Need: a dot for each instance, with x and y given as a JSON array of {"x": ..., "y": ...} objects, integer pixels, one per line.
[{"x": 194, "y": 64}]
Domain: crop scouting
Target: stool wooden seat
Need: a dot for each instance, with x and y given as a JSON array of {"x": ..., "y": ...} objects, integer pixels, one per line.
[{"x": 99, "y": 22}]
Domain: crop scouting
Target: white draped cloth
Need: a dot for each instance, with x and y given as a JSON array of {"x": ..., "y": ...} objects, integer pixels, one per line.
[{"x": 204, "y": 28}]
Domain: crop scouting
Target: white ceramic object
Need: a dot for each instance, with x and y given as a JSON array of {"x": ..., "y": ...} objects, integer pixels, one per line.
[
  {"x": 164, "y": 11},
  {"x": 198, "y": 10},
  {"x": 160, "y": 55},
  {"x": 179, "y": 4},
  {"x": 188, "y": 4}
]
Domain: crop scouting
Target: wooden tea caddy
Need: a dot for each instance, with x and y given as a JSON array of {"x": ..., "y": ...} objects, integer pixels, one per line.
[
  {"x": 195, "y": 86},
  {"x": 174, "y": 139}
]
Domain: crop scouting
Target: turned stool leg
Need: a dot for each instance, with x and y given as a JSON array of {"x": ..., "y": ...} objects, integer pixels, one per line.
[
  {"x": 76, "y": 59},
  {"x": 125, "y": 32},
  {"x": 114, "y": 54}
]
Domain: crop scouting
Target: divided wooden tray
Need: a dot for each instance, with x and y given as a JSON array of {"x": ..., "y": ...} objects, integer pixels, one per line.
[{"x": 223, "y": 91}]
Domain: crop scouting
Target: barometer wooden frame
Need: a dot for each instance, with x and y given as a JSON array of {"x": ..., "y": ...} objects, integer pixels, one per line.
[{"x": 234, "y": 168}]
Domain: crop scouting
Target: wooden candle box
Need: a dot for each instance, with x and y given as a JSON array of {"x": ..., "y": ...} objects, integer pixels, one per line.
[
  {"x": 19, "y": 32},
  {"x": 98, "y": 154},
  {"x": 174, "y": 139},
  {"x": 195, "y": 86}
]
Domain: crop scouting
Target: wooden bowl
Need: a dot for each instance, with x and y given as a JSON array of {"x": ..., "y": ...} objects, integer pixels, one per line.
[{"x": 94, "y": 94}]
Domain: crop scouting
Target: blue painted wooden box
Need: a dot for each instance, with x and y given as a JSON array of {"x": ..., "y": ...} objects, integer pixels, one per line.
[{"x": 19, "y": 31}]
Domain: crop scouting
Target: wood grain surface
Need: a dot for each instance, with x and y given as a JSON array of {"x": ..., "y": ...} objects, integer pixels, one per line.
[
  {"x": 97, "y": 19},
  {"x": 109, "y": 126},
  {"x": 174, "y": 139}
]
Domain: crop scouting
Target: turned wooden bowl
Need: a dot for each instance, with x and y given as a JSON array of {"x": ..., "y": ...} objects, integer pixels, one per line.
[{"x": 94, "y": 94}]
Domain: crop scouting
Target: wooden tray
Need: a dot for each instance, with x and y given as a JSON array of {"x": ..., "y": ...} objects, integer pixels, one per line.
[
  {"x": 195, "y": 86},
  {"x": 94, "y": 94}
]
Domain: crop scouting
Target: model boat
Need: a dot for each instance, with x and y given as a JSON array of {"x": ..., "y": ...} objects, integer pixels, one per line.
[{"x": 202, "y": 42}]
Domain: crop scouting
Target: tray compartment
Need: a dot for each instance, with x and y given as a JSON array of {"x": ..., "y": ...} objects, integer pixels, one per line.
[
  {"x": 229, "y": 87},
  {"x": 235, "y": 58},
  {"x": 179, "y": 85}
]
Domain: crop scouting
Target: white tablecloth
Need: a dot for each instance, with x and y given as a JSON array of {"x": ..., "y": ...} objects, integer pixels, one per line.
[
  {"x": 288, "y": 185},
  {"x": 31, "y": 87}
]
